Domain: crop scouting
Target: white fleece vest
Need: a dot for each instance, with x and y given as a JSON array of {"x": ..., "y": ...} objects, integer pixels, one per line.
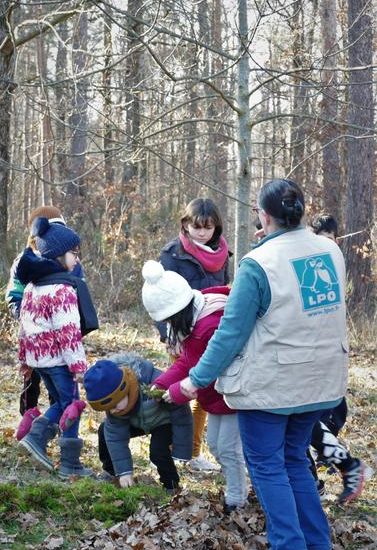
[{"x": 297, "y": 353}]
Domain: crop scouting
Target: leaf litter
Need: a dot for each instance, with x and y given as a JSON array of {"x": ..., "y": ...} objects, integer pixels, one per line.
[{"x": 194, "y": 519}]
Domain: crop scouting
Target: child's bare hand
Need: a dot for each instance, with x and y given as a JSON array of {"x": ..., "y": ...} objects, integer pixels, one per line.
[
  {"x": 126, "y": 480},
  {"x": 188, "y": 389},
  {"x": 167, "y": 397}
]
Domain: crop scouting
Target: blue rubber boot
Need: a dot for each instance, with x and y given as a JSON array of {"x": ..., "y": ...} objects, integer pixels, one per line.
[
  {"x": 70, "y": 465},
  {"x": 35, "y": 442}
]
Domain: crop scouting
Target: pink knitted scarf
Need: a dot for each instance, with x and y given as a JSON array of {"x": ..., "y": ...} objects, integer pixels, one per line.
[{"x": 211, "y": 261}]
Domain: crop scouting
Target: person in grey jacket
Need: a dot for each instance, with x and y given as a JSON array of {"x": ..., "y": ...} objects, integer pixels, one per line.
[{"x": 117, "y": 386}]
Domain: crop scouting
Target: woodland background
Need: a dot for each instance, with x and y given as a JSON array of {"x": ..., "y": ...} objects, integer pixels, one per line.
[{"x": 120, "y": 112}]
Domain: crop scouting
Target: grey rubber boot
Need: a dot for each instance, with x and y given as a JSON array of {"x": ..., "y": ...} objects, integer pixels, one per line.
[
  {"x": 35, "y": 442},
  {"x": 70, "y": 465}
]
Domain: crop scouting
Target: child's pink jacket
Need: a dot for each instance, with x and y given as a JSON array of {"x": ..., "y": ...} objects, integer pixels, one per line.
[{"x": 193, "y": 348}]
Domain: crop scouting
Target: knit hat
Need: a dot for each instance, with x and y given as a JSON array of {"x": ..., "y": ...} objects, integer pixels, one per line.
[
  {"x": 52, "y": 213},
  {"x": 164, "y": 293},
  {"x": 106, "y": 384},
  {"x": 53, "y": 239}
]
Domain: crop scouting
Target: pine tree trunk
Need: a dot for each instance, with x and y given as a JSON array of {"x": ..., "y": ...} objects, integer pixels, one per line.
[
  {"x": 79, "y": 123},
  {"x": 361, "y": 156},
  {"x": 107, "y": 101},
  {"x": 61, "y": 97},
  {"x": 244, "y": 137},
  {"x": 331, "y": 176},
  {"x": 300, "y": 97},
  {"x": 6, "y": 86}
]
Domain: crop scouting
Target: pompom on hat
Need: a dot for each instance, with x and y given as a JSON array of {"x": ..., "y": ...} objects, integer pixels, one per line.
[
  {"x": 53, "y": 239},
  {"x": 106, "y": 384},
  {"x": 52, "y": 213},
  {"x": 164, "y": 293}
]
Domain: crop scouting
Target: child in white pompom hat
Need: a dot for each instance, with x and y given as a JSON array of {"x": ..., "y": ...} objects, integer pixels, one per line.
[{"x": 192, "y": 317}]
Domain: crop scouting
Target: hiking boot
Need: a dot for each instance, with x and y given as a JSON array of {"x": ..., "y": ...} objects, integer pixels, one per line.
[
  {"x": 201, "y": 463},
  {"x": 70, "y": 465},
  {"x": 35, "y": 442},
  {"x": 353, "y": 481}
]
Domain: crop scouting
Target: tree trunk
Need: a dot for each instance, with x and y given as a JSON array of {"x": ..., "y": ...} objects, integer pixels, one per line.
[
  {"x": 45, "y": 143},
  {"x": 361, "y": 151},
  {"x": 244, "y": 137},
  {"x": 131, "y": 180},
  {"x": 217, "y": 144},
  {"x": 6, "y": 86},
  {"x": 331, "y": 176},
  {"x": 107, "y": 100},
  {"x": 75, "y": 190},
  {"x": 61, "y": 93},
  {"x": 300, "y": 97}
]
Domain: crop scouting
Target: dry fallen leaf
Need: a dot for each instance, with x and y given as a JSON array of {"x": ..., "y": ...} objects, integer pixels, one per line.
[{"x": 54, "y": 542}]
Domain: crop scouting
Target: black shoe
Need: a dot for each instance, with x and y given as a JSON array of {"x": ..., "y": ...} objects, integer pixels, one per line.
[
  {"x": 105, "y": 476},
  {"x": 172, "y": 489},
  {"x": 229, "y": 508},
  {"x": 353, "y": 481},
  {"x": 321, "y": 488}
]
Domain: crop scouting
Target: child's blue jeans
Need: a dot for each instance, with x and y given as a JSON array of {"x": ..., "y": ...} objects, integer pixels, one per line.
[
  {"x": 63, "y": 389},
  {"x": 275, "y": 448}
]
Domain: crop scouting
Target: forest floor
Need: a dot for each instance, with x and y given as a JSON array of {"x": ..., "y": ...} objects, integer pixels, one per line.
[{"x": 191, "y": 519}]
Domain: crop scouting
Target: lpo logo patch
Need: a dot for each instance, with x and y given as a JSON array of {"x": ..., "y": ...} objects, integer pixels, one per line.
[{"x": 318, "y": 281}]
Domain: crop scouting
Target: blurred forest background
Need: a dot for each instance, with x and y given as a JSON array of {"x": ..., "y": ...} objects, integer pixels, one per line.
[{"x": 120, "y": 112}]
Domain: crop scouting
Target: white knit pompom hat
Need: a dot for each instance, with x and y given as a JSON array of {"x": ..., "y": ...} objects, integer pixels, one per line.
[{"x": 164, "y": 293}]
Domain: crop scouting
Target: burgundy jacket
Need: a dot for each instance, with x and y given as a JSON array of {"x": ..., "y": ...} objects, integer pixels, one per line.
[{"x": 193, "y": 348}]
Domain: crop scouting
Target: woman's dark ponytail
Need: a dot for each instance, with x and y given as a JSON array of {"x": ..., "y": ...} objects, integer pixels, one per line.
[
  {"x": 293, "y": 210},
  {"x": 284, "y": 201}
]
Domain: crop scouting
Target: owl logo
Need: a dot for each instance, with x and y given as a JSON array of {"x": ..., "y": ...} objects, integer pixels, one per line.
[{"x": 317, "y": 281}]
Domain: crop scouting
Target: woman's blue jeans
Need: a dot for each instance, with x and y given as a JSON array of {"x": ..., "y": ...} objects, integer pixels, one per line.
[
  {"x": 275, "y": 448},
  {"x": 63, "y": 389}
]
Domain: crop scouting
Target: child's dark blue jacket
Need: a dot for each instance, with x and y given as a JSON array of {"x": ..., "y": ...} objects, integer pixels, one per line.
[{"x": 174, "y": 258}]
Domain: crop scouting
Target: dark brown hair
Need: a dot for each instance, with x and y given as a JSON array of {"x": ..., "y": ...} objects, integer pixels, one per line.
[
  {"x": 324, "y": 222},
  {"x": 181, "y": 324},
  {"x": 199, "y": 213}
]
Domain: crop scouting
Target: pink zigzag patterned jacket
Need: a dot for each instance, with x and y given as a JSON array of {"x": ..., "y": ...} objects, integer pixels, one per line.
[{"x": 50, "y": 334}]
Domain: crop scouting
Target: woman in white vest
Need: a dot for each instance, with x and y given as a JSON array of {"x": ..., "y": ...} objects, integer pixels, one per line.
[{"x": 280, "y": 358}]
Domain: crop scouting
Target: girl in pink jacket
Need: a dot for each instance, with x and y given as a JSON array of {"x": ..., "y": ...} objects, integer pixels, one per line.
[{"x": 193, "y": 316}]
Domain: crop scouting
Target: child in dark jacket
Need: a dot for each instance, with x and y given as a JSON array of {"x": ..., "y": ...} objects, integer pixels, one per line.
[
  {"x": 116, "y": 386},
  {"x": 193, "y": 317},
  {"x": 200, "y": 255},
  {"x": 330, "y": 450}
]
